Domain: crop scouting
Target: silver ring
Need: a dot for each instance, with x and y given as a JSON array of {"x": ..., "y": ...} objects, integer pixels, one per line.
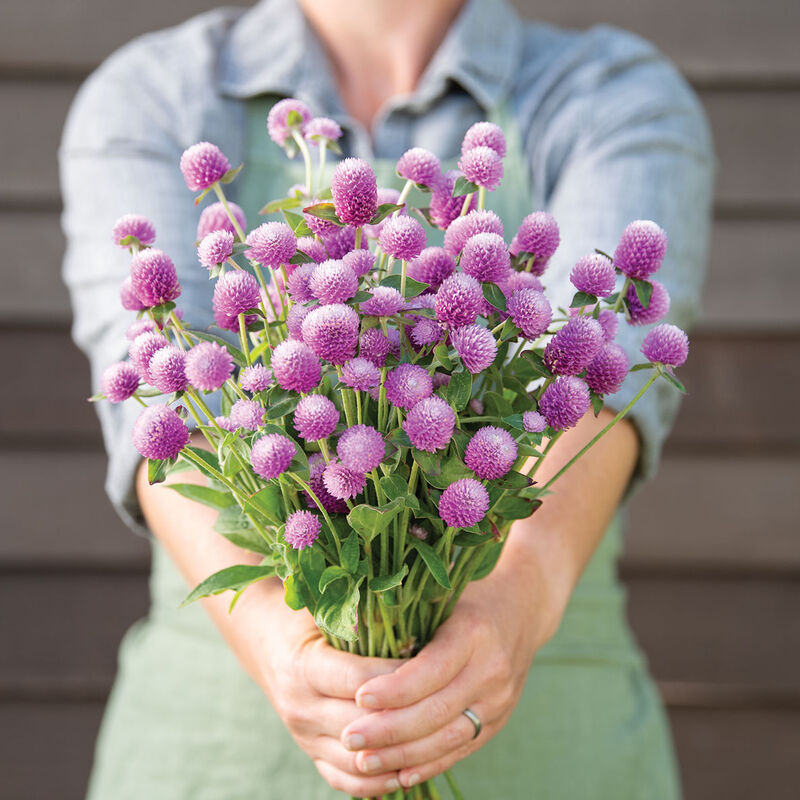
[{"x": 474, "y": 719}]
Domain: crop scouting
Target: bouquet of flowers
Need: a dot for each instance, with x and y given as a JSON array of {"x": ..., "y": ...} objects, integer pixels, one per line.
[{"x": 385, "y": 404}]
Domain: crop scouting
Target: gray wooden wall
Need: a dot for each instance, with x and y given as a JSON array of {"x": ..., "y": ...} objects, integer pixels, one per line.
[{"x": 714, "y": 552}]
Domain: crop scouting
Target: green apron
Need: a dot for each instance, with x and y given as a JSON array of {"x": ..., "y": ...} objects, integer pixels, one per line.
[{"x": 184, "y": 722}]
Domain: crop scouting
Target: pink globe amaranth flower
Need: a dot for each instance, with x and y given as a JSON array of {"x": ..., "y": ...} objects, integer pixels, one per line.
[
  {"x": 167, "y": 369},
  {"x": 215, "y": 218},
  {"x": 530, "y": 311},
  {"x": 355, "y": 191},
  {"x": 153, "y": 277},
  {"x": 302, "y": 529},
  {"x": 235, "y": 293},
  {"x": 316, "y": 482},
  {"x": 142, "y": 350},
  {"x": 294, "y": 320},
  {"x": 440, "y": 379},
  {"x": 341, "y": 241},
  {"x": 538, "y": 235},
  {"x": 299, "y": 286},
  {"x": 119, "y": 381},
  {"x": 458, "y": 300},
  {"x": 129, "y": 300},
  {"x": 426, "y": 332},
  {"x": 533, "y": 422},
  {"x": 485, "y": 257},
  {"x": 564, "y": 402},
  {"x": 360, "y": 374},
  {"x": 159, "y": 433},
  {"x": 278, "y": 126},
  {"x": 332, "y": 332},
  {"x": 225, "y": 423},
  {"x": 208, "y": 366},
  {"x": 247, "y": 414},
  {"x": 418, "y": 532},
  {"x": 444, "y": 207},
  {"x": 641, "y": 249},
  {"x": 215, "y": 249},
  {"x": 374, "y": 346},
  {"x": 202, "y": 165},
  {"x": 139, "y": 327},
  {"x": 419, "y": 165},
  {"x": 385, "y": 195},
  {"x": 361, "y": 448},
  {"x": 594, "y": 274},
  {"x": 271, "y": 455},
  {"x": 333, "y": 282},
  {"x": 315, "y": 417},
  {"x": 482, "y": 166},
  {"x": 485, "y": 134},
  {"x": 608, "y": 319},
  {"x": 360, "y": 261},
  {"x": 520, "y": 280},
  {"x": 255, "y": 378},
  {"x": 312, "y": 248},
  {"x": 666, "y": 344},
  {"x": 608, "y": 370},
  {"x": 384, "y": 302},
  {"x": 271, "y": 244},
  {"x": 574, "y": 346},
  {"x": 135, "y": 226},
  {"x": 462, "y": 228},
  {"x": 476, "y": 406},
  {"x": 319, "y": 226},
  {"x": 655, "y": 311},
  {"x": 295, "y": 366},
  {"x": 463, "y": 503},
  {"x": 430, "y": 424},
  {"x": 491, "y": 452},
  {"x": 476, "y": 347},
  {"x": 395, "y": 343},
  {"x": 342, "y": 482},
  {"x": 427, "y": 301},
  {"x": 321, "y": 129},
  {"x": 432, "y": 266},
  {"x": 402, "y": 237},
  {"x": 407, "y": 384}
]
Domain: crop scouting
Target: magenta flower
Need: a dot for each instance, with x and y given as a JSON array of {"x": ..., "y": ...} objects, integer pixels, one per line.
[
  {"x": 426, "y": 332},
  {"x": 440, "y": 379},
  {"x": 341, "y": 482},
  {"x": 323, "y": 129},
  {"x": 485, "y": 257},
  {"x": 302, "y": 529},
  {"x": 609, "y": 322},
  {"x": 419, "y": 165},
  {"x": 641, "y": 249},
  {"x": 255, "y": 378},
  {"x": 333, "y": 505},
  {"x": 332, "y": 332},
  {"x": 225, "y": 423},
  {"x": 129, "y": 300},
  {"x": 294, "y": 320},
  {"x": 167, "y": 369},
  {"x": 355, "y": 191},
  {"x": 119, "y": 381},
  {"x": 333, "y": 282},
  {"x": 315, "y": 417},
  {"x": 594, "y": 274},
  {"x": 341, "y": 241},
  {"x": 444, "y": 207},
  {"x": 459, "y": 300},
  {"x": 530, "y": 311},
  {"x": 462, "y": 228},
  {"x": 407, "y": 384},
  {"x": 360, "y": 261},
  {"x": 485, "y": 134},
  {"x": 402, "y": 237},
  {"x": 574, "y": 346},
  {"x": 271, "y": 244},
  {"x": 538, "y": 235},
  {"x": 491, "y": 452},
  {"x": 463, "y": 503},
  {"x": 247, "y": 414},
  {"x": 360, "y": 374},
  {"x": 153, "y": 277},
  {"x": 215, "y": 218},
  {"x": 475, "y": 346},
  {"x": 235, "y": 293},
  {"x": 208, "y": 366},
  {"x": 202, "y": 165},
  {"x": 430, "y": 424},
  {"x": 608, "y": 370},
  {"x": 295, "y": 366},
  {"x": 655, "y": 311},
  {"x": 138, "y": 327},
  {"x": 384, "y": 302},
  {"x": 564, "y": 402},
  {"x": 136, "y": 227},
  {"x": 520, "y": 280},
  {"x": 299, "y": 286},
  {"x": 278, "y": 126},
  {"x": 533, "y": 422},
  {"x": 159, "y": 433},
  {"x": 374, "y": 346},
  {"x": 395, "y": 345},
  {"x": 482, "y": 166},
  {"x": 312, "y": 248},
  {"x": 432, "y": 266},
  {"x": 142, "y": 350},
  {"x": 385, "y": 195},
  {"x": 271, "y": 455},
  {"x": 667, "y": 345},
  {"x": 361, "y": 448},
  {"x": 215, "y": 249}
]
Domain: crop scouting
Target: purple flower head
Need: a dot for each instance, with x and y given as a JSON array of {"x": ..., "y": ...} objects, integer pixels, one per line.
[
  {"x": 255, "y": 378},
  {"x": 475, "y": 346},
  {"x": 374, "y": 346},
  {"x": 458, "y": 300},
  {"x": 332, "y": 332},
  {"x": 427, "y": 301},
  {"x": 316, "y": 481},
  {"x": 419, "y": 165},
  {"x": 384, "y": 302},
  {"x": 278, "y": 126},
  {"x": 538, "y": 235},
  {"x": 315, "y": 417},
  {"x": 641, "y": 249},
  {"x": 299, "y": 286},
  {"x": 361, "y": 448},
  {"x": 294, "y": 320},
  {"x": 153, "y": 277},
  {"x": 312, "y": 248},
  {"x": 342, "y": 482},
  {"x": 202, "y": 165},
  {"x": 608, "y": 370},
  {"x": 485, "y": 134},
  {"x": 463, "y": 503},
  {"x": 440, "y": 379},
  {"x": 333, "y": 282},
  {"x": 271, "y": 244},
  {"x": 402, "y": 237},
  {"x": 159, "y": 433},
  {"x": 167, "y": 369},
  {"x": 655, "y": 311},
  {"x": 444, "y": 207},
  {"x": 564, "y": 402},
  {"x": 426, "y": 332},
  {"x": 594, "y": 274},
  {"x": 360, "y": 261},
  {"x": 395, "y": 344},
  {"x": 482, "y": 166},
  {"x": 215, "y": 218},
  {"x": 407, "y": 384},
  {"x": 271, "y": 455},
  {"x": 491, "y": 452},
  {"x": 485, "y": 257},
  {"x": 608, "y": 320},
  {"x": 476, "y": 405},
  {"x": 135, "y": 226},
  {"x": 533, "y": 422},
  {"x": 432, "y": 266},
  {"x": 142, "y": 349},
  {"x": 360, "y": 374},
  {"x": 462, "y": 228},
  {"x": 520, "y": 280},
  {"x": 385, "y": 195},
  {"x": 355, "y": 191},
  {"x": 574, "y": 346},
  {"x": 319, "y": 226},
  {"x": 418, "y": 532},
  {"x": 138, "y": 327},
  {"x": 666, "y": 344},
  {"x": 302, "y": 529},
  {"x": 130, "y": 302},
  {"x": 208, "y": 366},
  {"x": 225, "y": 423},
  {"x": 341, "y": 241},
  {"x": 530, "y": 311},
  {"x": 430, "y": 424},
  {"x": 119, "y": 381},
  {"x": 323, "y": 129},
  {"x": 235, "y": 293},
  {"x": 215, "y": 249},
  {"x": 295, "y": 366},
  {"x": 247, "y": 414}
]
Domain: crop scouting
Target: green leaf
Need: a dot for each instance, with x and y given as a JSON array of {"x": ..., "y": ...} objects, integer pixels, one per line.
[
  {"x": 442, "y": 356},
  {"x": 425, "y": 213},
  {"x": 394, "y": 486},
  {"x": 514, "y": 480},
  {"x": 644, "y": 291},
  {"x": 337, "y": 610},
  {"x": 413, "y": 288},
  {"x": 385, "y": 582},
  {"x": 236, "y": 354},
  {"x": 205, "y": 456},
  {"x": 162, "y": 312},
  {"x": 214, "y": 498},
  {"x": 324, "y": 211},
  {"x": 301, "y": 258},
  {"x": 368, "y": 520},
  {"x": 514, "y": 421},
  {"x": 232, "y": 520},
  {"x": 351, "y": 552},
  {"x": 440, "y": 472},
  {"x": 582, "y": 299},
  {"x": 497, "y": 405},
  {"x": 157, "y": 469},
  {"x": 231, "y": 174},
  {"x": 471, "y": 539},
  {"x": 537, "y": 362},
  {"x": 511, "y": 507},
  {"x": 295, "y": 593},
  {"x": 233, "y": 578},
  {"x": 459, "y": 390},
  {"x": 490, "y": 558},
  {"x": 312, "y": 564},
  {"x": 463, "y": 186},
  {"x": 432, "y": 561},
  {"x": 249, "y": 539},
  {"x": 331, "y": 574},
  {"x": 637, "y": 367},
  {"x": 494, "y": 295},
  {"x": 670, "y": 378},
  {"x": 282, "y": 204},
  {"x": 267, "y": 503},
  {"x": 294, "y": 119},
  {"x": 361, "y": 296},
  {"x": 297, "y": 223},
  {"x": 384, "y": 209},
  {"x": 282, "y": 408},
  {"x": 509, "y": 331}
]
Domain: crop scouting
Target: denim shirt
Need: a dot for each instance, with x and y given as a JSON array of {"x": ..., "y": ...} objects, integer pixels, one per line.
[{"x": 611, "y": 133}]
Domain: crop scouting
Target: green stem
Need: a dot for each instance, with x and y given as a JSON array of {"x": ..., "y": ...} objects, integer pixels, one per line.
[
  {"x": 403, "y": 268},
  {"x": 481, "y": 198},
  {"x": 359, "y": 234},
  {"x": 323, "y": 154},
  {"x": 621, "y": 296},
  {"x": 303, "y": 147},
  {"x": 465, "y": 206},
  {"x": 403, "y": 195},
  {"x": 243, "y": 339},
  {"x": 322, "y": 510},
  {"x": 235, "y": 222},
  {"x": 451, "y": 782}
]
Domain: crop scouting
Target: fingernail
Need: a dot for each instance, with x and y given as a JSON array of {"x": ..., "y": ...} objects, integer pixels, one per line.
[
  {"x": 372, "y": 763},
  {"x": 392, "y": 785},
  {"x": 414, "y": 779},
  {"x": 355, "y": 741},
  {"x": 368, "y": 701}
]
